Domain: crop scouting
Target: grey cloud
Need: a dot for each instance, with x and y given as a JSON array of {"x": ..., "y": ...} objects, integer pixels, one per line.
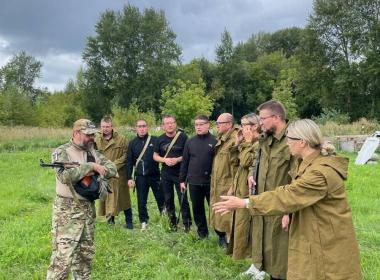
[{"x": 48, "y": 29}]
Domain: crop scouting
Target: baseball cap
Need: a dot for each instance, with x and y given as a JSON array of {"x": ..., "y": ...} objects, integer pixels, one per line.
[{"x": 86, "y": 126}]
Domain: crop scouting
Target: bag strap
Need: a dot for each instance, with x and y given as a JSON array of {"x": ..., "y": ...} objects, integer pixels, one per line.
[
  {"x": 172, "y": 144},
  {"x": 143, "y": 151}
]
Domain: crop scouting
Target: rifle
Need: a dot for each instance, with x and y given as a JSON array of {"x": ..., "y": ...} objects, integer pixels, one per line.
[
  {"x": 59, "y": 164},
  {"x": 85, "y": 181}
]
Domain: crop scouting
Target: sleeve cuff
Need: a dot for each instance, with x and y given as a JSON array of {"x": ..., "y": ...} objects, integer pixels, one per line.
[{"x": 246, "y": 200}]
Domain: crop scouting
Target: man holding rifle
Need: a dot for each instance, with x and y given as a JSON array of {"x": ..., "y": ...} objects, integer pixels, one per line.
[{"x": 73, "y": 214}]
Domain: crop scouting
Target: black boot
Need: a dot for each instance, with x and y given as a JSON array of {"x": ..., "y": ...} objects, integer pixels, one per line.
[
  {"x": 128, "y": 218},
  {"x": 111, "y": 220}
]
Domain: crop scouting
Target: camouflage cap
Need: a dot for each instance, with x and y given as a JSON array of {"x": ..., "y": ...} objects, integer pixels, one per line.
[{"x": 86, "y": 126}]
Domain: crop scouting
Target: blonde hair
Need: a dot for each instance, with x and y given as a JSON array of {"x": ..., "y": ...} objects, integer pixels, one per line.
[
  {"x": 251, "y": 118},
  {"x": 309, "y": 131}
]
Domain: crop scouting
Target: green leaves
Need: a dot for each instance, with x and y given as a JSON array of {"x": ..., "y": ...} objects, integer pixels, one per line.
[
  {"x": 185, "y": 100},
  {"x": 131, "y": 57}
]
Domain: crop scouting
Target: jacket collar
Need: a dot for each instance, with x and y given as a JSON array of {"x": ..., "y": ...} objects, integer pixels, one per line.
[
  {"x": 224, "y": 137},
  {"x": 111, "y": 141},
  {"x": 307, "y": 161}
]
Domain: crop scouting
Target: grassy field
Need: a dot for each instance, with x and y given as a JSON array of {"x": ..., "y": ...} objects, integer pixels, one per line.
[{"x": 27, "y": 192}]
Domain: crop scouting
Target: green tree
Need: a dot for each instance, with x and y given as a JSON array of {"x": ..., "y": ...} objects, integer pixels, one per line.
[
  {"x": 21, "y": 72},
  {"x": 60, "y": 109},
  {"x": 337, "y": 24},
  {"x": 131, "y": 57},
  {"x": 185, "y": 100},
  {"x": 284, "y": 92},
  {"x": 15, "y": 107}
]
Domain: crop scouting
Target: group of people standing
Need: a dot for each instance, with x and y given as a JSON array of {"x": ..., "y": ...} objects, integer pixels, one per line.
[{"x": 239, "y": 175}]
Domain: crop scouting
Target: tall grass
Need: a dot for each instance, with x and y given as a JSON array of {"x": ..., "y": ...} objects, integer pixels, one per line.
[
  {"x": 360, "y": 127},
  {"x": 27, "y": 191},
  {"x": 24, "y": 138}
]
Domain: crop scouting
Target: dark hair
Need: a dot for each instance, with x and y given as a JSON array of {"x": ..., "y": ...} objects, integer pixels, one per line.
[
  {"x": 107, "y": 119},
  {"x": 202, "y": 118},
  {"x": 275, "y": 107},
  {"x": 167, "y": 117}
]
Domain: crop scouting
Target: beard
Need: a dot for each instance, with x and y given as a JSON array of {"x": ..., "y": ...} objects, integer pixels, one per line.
[
  {"x": 86, "y": 145},
  {"x": 270, "y": 131}
]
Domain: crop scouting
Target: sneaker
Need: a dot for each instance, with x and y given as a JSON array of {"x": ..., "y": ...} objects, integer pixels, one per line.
[
  {"x": 250, "y": 271},
  {"x": 143, "y": 226},
  {"x": 259, "y": 275},
  {"x": 254, "y": 273}
]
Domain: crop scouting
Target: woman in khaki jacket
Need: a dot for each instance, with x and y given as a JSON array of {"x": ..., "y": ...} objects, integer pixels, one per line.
[
  {"x": 246, "y": 145},
  {"x": 322, "y": 243}
]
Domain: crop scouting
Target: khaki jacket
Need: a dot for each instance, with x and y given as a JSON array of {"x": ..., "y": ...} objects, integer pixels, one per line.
[
  {"x": 115, "y": 150},
  {"x": 270, "y": 241},
  {"x": 322, "y": 243},
  {"x": 241, "y": 231},
  {"x": 223, "y": 170}
]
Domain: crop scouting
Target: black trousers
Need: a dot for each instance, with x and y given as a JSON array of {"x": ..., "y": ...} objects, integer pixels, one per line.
[
  {"x": 167, "y": 186},
  {"x": 198, "y": 195},
  {"x": 142, "y": 188}
]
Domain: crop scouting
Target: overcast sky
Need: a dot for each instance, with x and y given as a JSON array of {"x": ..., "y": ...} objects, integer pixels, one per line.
[{"x": 55, "y": 31}]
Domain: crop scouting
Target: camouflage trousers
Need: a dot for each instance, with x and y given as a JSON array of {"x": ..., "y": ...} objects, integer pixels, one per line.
[{"x": 73, "y": 239}]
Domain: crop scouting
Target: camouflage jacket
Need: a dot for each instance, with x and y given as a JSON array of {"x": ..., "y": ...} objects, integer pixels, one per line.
[{"x": 70, "y": 152}]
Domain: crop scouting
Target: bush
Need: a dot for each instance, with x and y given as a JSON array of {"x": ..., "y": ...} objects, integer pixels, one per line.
[
  {"x": 129, "y": 116},
  {"x": 185, "y": 100},
  {"x": 332, "y": 115}
]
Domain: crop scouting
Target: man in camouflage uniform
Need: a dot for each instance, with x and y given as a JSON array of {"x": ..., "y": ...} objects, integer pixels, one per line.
[{"x": 73, "y": 215}]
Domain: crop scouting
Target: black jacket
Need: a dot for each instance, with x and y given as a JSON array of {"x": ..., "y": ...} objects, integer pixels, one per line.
[
  {"x": 147, "y": 166},
  {"x": 197, "y": 160}
]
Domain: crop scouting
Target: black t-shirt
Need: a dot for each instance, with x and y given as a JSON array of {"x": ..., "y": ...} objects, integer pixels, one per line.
[{"x": 162, "y": 144}]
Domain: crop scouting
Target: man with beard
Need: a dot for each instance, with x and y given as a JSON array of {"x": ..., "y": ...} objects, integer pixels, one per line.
[
  {"x": 74, "y": 215},
  {"x": 147, "y": 173},
  {"x": 114, "y": 147},
  {"x": 168, "y": 150},
  {"x": 196, "y": 171},
  {"x": 223, "y": 171},
  {"x": 270, "y": 236}
]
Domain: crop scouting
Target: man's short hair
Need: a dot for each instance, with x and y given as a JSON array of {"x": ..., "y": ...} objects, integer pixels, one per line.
[
  {"x": 141, "y": 120},
  {"x": 201, "y": 118},
  {"x": 275, "y": 107},
  {"x": 106, "y": 119},
  {"x": 167, "y": 117}
]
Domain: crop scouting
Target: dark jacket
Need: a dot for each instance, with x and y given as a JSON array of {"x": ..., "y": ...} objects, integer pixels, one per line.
[
  {"x": 197, "y": 160},
  {"x": 147, "y": 166}
]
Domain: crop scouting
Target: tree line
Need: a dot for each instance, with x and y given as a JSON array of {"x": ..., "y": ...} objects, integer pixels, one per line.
[{"x": 133, "y": 68}]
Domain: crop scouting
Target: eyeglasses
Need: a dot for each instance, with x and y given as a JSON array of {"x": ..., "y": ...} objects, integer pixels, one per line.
[
  {"x": 222, "y": 122},
  {"x": 264, "y": 118},
  {"x": 141, "y": 126},
  {"x": 293, "y": 138},
  {"x": 247, "y": 124},
  {"x": 200, "y": 124}
]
